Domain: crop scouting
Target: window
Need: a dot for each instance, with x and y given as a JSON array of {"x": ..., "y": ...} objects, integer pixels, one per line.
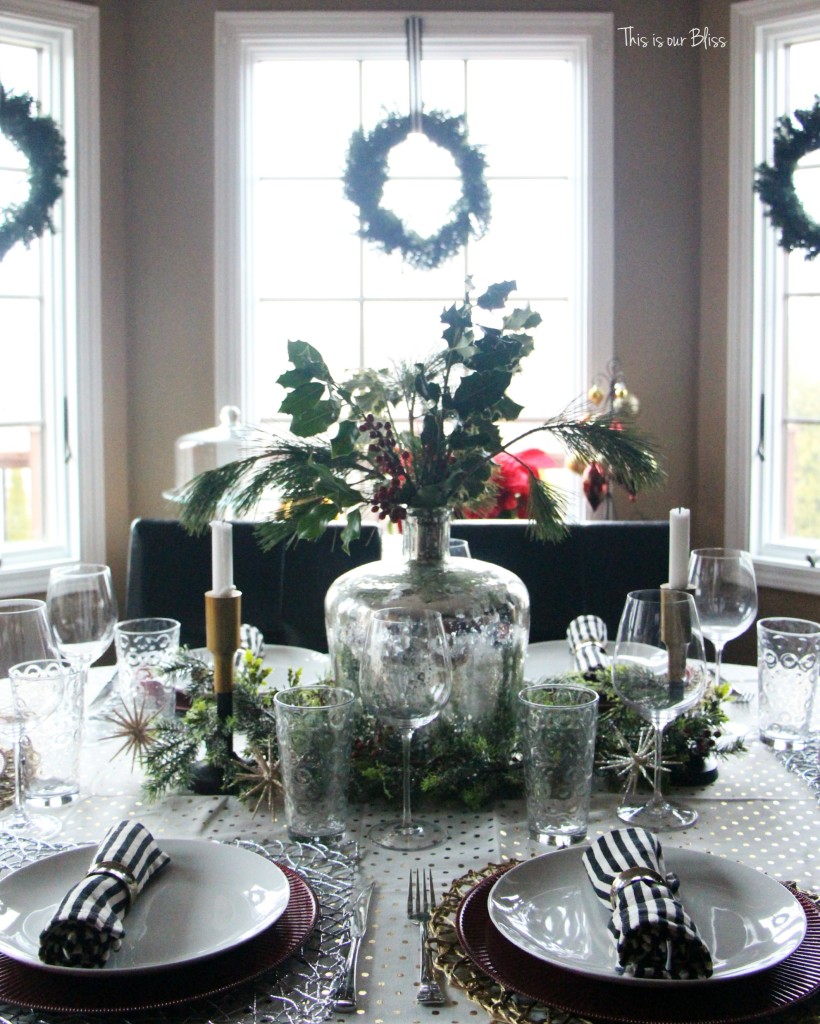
[
  {"x": 773, "y": 487},
  {"x": 291, "y": 89},
  {"x": 51, "y": 507}
]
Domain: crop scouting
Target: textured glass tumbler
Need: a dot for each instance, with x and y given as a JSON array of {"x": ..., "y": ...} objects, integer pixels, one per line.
[
  {"x": 558, "y": 726},
  {"x": 314, "y": 729},
  {"x": 142, "y": 647},
  {"x": 788, "y": 659},
  {"x": 54, "y": 744}
]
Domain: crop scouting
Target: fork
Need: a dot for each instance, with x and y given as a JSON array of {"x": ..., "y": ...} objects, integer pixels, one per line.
[{"x": 419, "y": 908}]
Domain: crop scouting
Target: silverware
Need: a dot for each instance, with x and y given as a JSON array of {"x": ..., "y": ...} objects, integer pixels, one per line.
[
  {"x": 419, "y": 907},
  {"x": 344, "y": 994}
]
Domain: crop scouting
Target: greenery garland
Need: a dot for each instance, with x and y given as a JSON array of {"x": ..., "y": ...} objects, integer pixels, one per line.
[
  {"x": 39, "y": 140},
  {"x": 452, "y": 764},
  {"x": 366, "y": 175},
  {"x": 775, "y": 183}
]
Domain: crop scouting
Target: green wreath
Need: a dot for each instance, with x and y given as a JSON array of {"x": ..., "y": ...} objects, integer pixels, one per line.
[
  {"x": 39, "y": 140},
  {"x": 366, "y": 174},
  {"x": 775, "y": 183}
]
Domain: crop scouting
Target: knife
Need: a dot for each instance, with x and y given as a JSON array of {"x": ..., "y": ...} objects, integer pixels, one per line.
[{"x": 344, "y": 994}]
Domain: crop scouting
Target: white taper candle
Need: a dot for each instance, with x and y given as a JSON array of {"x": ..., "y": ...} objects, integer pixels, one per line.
[
  {"x": 221, "y": 558},
  {"x": 679, "y": 548}
]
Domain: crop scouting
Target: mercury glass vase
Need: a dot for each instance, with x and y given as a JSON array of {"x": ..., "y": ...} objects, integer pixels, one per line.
[{"x": 485, "y": 608}]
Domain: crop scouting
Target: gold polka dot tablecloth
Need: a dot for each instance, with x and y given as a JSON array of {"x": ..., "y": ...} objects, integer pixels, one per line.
[{"x": 756, "y": 813}]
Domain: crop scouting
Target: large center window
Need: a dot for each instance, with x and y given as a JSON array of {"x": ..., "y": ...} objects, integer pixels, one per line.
[{"x": 535, "y": 92}]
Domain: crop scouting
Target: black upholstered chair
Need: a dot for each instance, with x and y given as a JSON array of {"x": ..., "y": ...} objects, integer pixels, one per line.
[
  {"x": 589, "y": 572},
  {"x": 283, "y": 590}
]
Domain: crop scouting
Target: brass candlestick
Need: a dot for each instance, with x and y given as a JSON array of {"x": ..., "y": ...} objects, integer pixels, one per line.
[
  {"x": 223, "y": 615},
  {"x": 676, "y": 630}
]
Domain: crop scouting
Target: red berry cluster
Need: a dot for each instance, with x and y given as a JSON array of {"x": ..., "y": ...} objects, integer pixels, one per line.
[{"x": 390, "y": 461}]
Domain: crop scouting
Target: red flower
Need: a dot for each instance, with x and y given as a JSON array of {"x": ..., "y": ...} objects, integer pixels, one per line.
[{"x": 513, "y": 481}]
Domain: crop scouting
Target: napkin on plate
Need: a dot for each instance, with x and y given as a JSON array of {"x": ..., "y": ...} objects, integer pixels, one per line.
[
  {"x": 654, "y": 936},
  {"x": 586, "y": 637},
  {"x": 87, "y": 926}
]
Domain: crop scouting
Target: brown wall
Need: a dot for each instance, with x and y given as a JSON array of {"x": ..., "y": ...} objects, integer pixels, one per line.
[{"x": 671, "y": 184}]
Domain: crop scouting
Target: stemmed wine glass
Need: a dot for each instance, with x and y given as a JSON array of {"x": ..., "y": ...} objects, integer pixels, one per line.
[
  {"x": 83, "y": 612},
  {"x": 725, "y": 595},
  {"x": 30, "y": 693},
  {"x": 659, "y": 671},
  {"x": 405, "y": 680}
]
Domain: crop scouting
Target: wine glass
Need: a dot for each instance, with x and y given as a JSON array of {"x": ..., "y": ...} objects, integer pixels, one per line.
[
  {"x": 82, "y": 607},
  {"x": 405, "y": 680},
  {"x": 725, "y": 595},
  {"x": 659, "y": 671},
  {"x": 29, "y": 693},
  {"x": 25, "y": 632}
]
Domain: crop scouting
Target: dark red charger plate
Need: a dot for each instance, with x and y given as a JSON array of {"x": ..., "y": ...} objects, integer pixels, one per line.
[
  {"x": 752, "y": 996},
  {"x": 95, "y": 992}
]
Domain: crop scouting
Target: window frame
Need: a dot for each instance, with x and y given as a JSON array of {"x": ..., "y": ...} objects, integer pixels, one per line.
[
  {"x": 72, "y": 29},
  {"x": 758, "y": 28},
  {"x": 242, "y": 38}
]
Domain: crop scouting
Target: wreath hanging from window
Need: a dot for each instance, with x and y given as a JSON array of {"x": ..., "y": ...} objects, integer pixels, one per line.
[
  {"x": 39, "y": 140},
  {"x": 775, "y": 182},
  {"x": 366, "y": 175}
]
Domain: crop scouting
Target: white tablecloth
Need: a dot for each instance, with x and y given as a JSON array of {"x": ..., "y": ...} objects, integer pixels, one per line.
[{"x": 756, "y": 812}]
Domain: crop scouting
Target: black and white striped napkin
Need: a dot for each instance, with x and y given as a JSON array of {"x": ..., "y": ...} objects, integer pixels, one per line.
[
  {"x": 654, "y": 936},
  {"x": 586, "y": 636},
  {"x": 87, "y": 926}
]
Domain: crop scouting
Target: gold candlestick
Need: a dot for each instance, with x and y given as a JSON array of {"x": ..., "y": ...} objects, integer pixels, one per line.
[
  {"x": 223, "y": 615},
  {"x": 676, "y": 630}
]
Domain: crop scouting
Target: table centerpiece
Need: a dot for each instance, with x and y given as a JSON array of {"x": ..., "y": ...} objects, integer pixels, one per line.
[{"x": 413, "y": 445}]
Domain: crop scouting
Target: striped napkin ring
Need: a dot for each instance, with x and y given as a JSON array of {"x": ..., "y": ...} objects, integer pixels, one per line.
[
  {"x": 116, "y": 869},
  {"x": 631, "y": 875}
]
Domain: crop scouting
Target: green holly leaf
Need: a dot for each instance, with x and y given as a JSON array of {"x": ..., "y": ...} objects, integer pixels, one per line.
[
  {"x": 507, "y": 409},
  {"x": 311, "y": 414},
  {"x": 335, "y": 489},
  {"x": 313, "y": 522},
  {"x": 496, "y": 295},
  {"x": 522, "y": 320},
  {"x": 344, "y": 442},
  {"x": 480, "y": 390},
  {"x": 352, "y": 529},
  {"x": 294, "y": 378},
  {"x": 306, "y": 357}
]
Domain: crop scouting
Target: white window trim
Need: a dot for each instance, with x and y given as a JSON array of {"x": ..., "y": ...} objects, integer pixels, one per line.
[
  {"x": 755, "y": 26},
  {"x": 241, "y": 37},
  {"x": 85, "y": 537}
]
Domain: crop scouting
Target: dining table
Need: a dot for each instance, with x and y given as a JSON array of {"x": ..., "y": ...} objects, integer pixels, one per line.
[{"x": 762, "y": 811}]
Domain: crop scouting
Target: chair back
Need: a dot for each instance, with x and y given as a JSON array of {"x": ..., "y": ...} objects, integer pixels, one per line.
[
  {"x": 590, "y": 572},
  {"x": 283, "y": 589}
]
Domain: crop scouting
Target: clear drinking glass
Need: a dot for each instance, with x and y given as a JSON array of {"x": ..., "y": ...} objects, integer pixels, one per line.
[
  {"x": 558, "y": 723},
  {"x": 314, "y": 729},
  {"x": 659, "y": 670},
  {"x": 725, "y": 594},
  {"x": 29, "y": 694},
  {"x": 405, "y": 680}
]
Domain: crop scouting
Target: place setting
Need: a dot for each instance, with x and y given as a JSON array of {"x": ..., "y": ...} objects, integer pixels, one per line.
[
  {"x": 93, "y": 931},
  {"x": 539, "y": 932}
]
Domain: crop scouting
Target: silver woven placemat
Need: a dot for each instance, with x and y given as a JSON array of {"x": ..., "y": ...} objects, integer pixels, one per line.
[
  {"x": 805, "y": 762},
  {"x": 297, "y": 992}
]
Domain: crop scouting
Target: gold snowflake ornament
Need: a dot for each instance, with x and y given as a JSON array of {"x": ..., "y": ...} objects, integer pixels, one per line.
[
  {"x": 262, "y": 780},
  {"x": 134, "y": 726}
]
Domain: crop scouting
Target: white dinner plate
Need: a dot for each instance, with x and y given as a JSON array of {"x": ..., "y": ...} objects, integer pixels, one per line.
[
  {"x": 210, "y": 898},
  {"x": 279, "y": 658},
  {"x": 550, "y": 658},
  {"x": 547, "y": 907}
]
